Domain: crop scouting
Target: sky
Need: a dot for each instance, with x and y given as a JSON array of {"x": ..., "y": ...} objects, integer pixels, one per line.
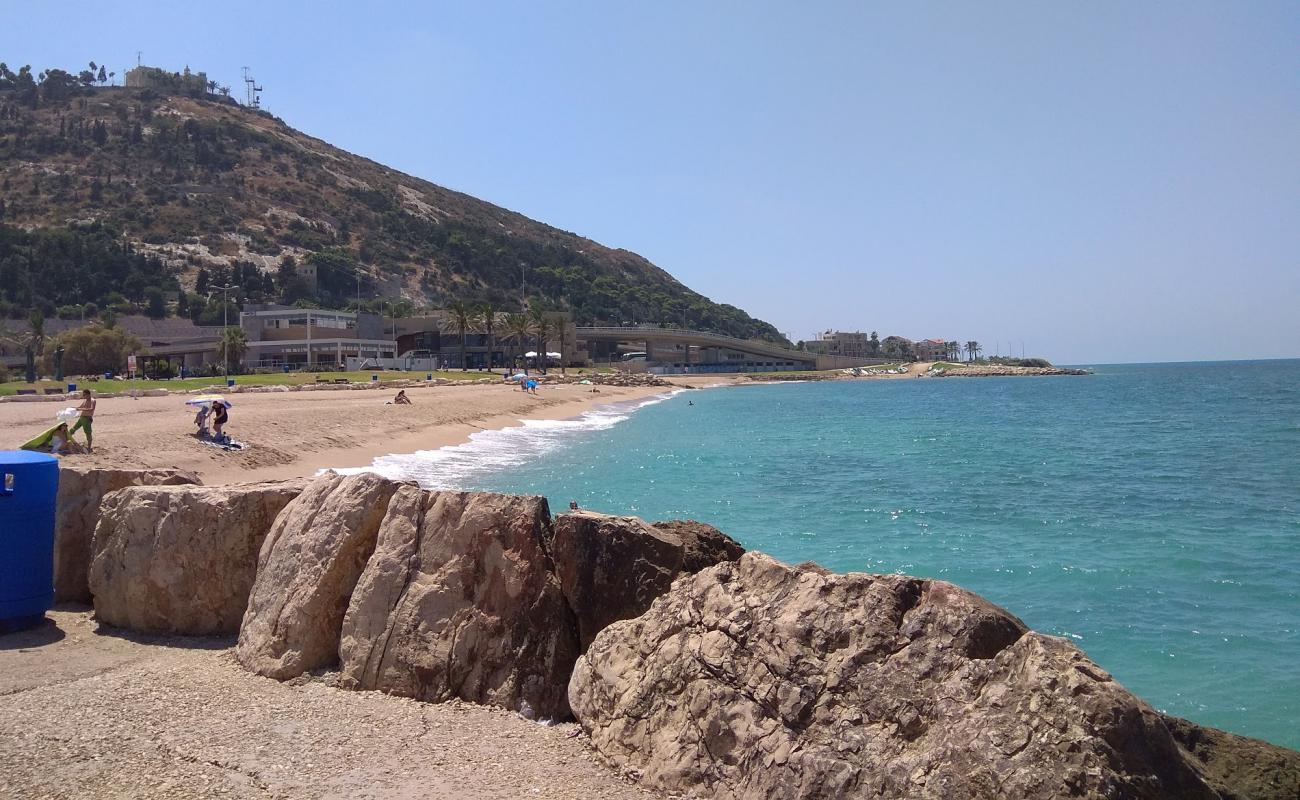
[{"x": 1091, "y": 182}]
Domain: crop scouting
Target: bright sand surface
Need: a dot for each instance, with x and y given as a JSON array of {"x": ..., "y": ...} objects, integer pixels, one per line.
[
  {"x": 295, "y": 434},
  {"x": 87, "y": 711}
]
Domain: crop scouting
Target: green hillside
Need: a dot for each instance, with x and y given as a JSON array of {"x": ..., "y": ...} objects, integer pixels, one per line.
[{"x": 141, "y": 199}]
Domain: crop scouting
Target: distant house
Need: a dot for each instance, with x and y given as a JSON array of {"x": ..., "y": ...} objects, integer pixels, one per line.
[
  {"x": 930, "y": 349},
  {"x": 855, "y": 344}
]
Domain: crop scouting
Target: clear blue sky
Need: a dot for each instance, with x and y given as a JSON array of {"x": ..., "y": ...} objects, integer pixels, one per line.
[{"x": 1106, "y": 181}]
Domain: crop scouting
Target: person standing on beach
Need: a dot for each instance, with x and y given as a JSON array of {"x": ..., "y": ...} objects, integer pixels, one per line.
[
  {"x": 219, "y": 419},
  {"x": 86, "y": 419}
]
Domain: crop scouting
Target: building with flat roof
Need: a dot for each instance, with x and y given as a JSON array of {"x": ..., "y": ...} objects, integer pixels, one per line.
[
  {"x": 851, "y": 344},
  {"x": 313, "y": 337}
]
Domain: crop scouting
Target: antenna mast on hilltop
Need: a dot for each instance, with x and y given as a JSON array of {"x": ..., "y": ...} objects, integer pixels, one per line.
[{"x": 250, "y": 90}]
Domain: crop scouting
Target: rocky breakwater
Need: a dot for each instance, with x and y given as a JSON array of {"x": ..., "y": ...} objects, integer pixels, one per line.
[
  {"x": 181, "y": 559},
  {"x": 1001, "y": 370},
  {"x": 440, "y": 594},
  {"x": 755, "y": 679},
  {"x": 81, "y": 490}
]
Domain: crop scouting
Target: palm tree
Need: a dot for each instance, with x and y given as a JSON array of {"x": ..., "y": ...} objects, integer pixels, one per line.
[
  {"x": 539, "y": 326},
  {"x": 462, "y": 319},
  {"x": 31, "y": 341},
  {"x": 560, "y": 326},
  {"x": 978, "y": 350},
  {"x": 518, "y": 327},
  {"x": 487, "y": 316},
  {"x": 233, "y": 343}
]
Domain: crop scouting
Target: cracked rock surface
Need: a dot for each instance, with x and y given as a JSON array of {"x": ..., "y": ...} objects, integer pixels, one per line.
[
  {"x": 460, "y": 600},
  {"x": 756, "y": 679},
  {"x": 81, "y": 489},
  {"x": 93, "y": 713},
  {"x": 181, "y": 559}
]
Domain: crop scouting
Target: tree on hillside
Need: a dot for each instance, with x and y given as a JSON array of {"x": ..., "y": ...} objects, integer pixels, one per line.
[
  {"x": 201, "y": 281},
  {"x": 462, "y": 319},
  {"x": 155, "y": 305},
  {"x": 487, "y": 316}
]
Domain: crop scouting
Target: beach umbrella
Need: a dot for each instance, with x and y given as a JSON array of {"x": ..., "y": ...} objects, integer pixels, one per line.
[
  {"x": 585, "y": 383},
  {"x": 518, "y": 376},
  {"x": 207, "y": 400},
  {"x": 531, "y": 354},
  {"x": 553, "y": 355}
]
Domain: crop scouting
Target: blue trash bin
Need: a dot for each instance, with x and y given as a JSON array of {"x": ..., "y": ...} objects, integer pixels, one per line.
[
  {"x": 72, "y": 388},
  {"x": 230, "y": 381},
  {"x": 29, "y": 484}
]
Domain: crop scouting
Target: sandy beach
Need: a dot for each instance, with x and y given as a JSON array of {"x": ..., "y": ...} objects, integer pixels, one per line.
[
  {"x": 90, "y": 711},
  {"x": 296, "y": 434}
]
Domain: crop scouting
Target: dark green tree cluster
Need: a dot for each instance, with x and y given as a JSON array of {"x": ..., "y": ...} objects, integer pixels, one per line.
[{"x": 58, "y": 271}]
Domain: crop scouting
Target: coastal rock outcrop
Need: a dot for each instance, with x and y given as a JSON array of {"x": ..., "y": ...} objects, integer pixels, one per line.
[
  {"x": 306, "y": 571},
  {"x": 81, "y": 489},
  {"x": 612, "y": 568},
  {"x": 1239, "y": 767},
  {"x": 460, "y": 600},
  {"x": 181, "y": 559},
  {"x": 757, "y": 679}
]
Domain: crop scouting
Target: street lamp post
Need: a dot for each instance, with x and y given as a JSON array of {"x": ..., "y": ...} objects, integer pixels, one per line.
[{"x": 225, "y": 329}]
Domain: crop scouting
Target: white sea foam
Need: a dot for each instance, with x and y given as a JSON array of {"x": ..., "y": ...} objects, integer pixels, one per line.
[{"x": 452, "y": 467}]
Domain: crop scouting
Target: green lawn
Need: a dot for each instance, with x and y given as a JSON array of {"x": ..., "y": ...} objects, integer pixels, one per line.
[
  {"x": 946, "y": 365},
  {"x": 272, "y": 379}
]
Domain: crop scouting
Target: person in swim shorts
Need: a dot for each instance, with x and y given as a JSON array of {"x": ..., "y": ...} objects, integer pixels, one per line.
[{"x": 85, "y": 420}]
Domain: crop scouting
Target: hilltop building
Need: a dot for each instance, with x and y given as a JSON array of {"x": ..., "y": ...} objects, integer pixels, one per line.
[{"x": 162, "y": 80}]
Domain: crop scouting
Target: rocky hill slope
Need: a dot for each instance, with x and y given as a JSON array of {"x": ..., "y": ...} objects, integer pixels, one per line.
[{"x": 198, "y": 181}]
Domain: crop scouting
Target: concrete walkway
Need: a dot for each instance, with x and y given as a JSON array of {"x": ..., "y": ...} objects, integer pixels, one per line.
[{"x": 87, "y": 712}]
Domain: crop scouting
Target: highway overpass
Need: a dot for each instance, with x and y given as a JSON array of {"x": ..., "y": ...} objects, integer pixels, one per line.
[{"x": 674, "y": 349}]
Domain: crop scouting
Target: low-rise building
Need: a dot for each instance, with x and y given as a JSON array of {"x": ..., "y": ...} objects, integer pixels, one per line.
[
  {"x": 851, "y": 344},
  {"x": 311, "y": 338},
  {"x": 930, "y": 349}
]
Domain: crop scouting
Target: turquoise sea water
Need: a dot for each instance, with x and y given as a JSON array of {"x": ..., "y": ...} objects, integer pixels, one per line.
[{"x": 1151, "y": 513}]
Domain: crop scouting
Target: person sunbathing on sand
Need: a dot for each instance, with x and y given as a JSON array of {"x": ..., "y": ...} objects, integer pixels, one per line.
[{"x": 401, "y": 399}]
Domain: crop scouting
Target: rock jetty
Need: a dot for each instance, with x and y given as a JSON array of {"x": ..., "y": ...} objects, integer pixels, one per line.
[
  {"x": 701, "y": 670},
  {"x": 1001, "y": 370}
]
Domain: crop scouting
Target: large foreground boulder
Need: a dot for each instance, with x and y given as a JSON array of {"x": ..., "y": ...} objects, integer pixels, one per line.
[
  {"x": 612, "y": 568},
  {"x": 306, "y": 571},
  {"x": 81, "y": 489},
  {"x": 181, "y": 559},
  {"x": 460, "y": 600},
  {"x": 754, "y": 679}
]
